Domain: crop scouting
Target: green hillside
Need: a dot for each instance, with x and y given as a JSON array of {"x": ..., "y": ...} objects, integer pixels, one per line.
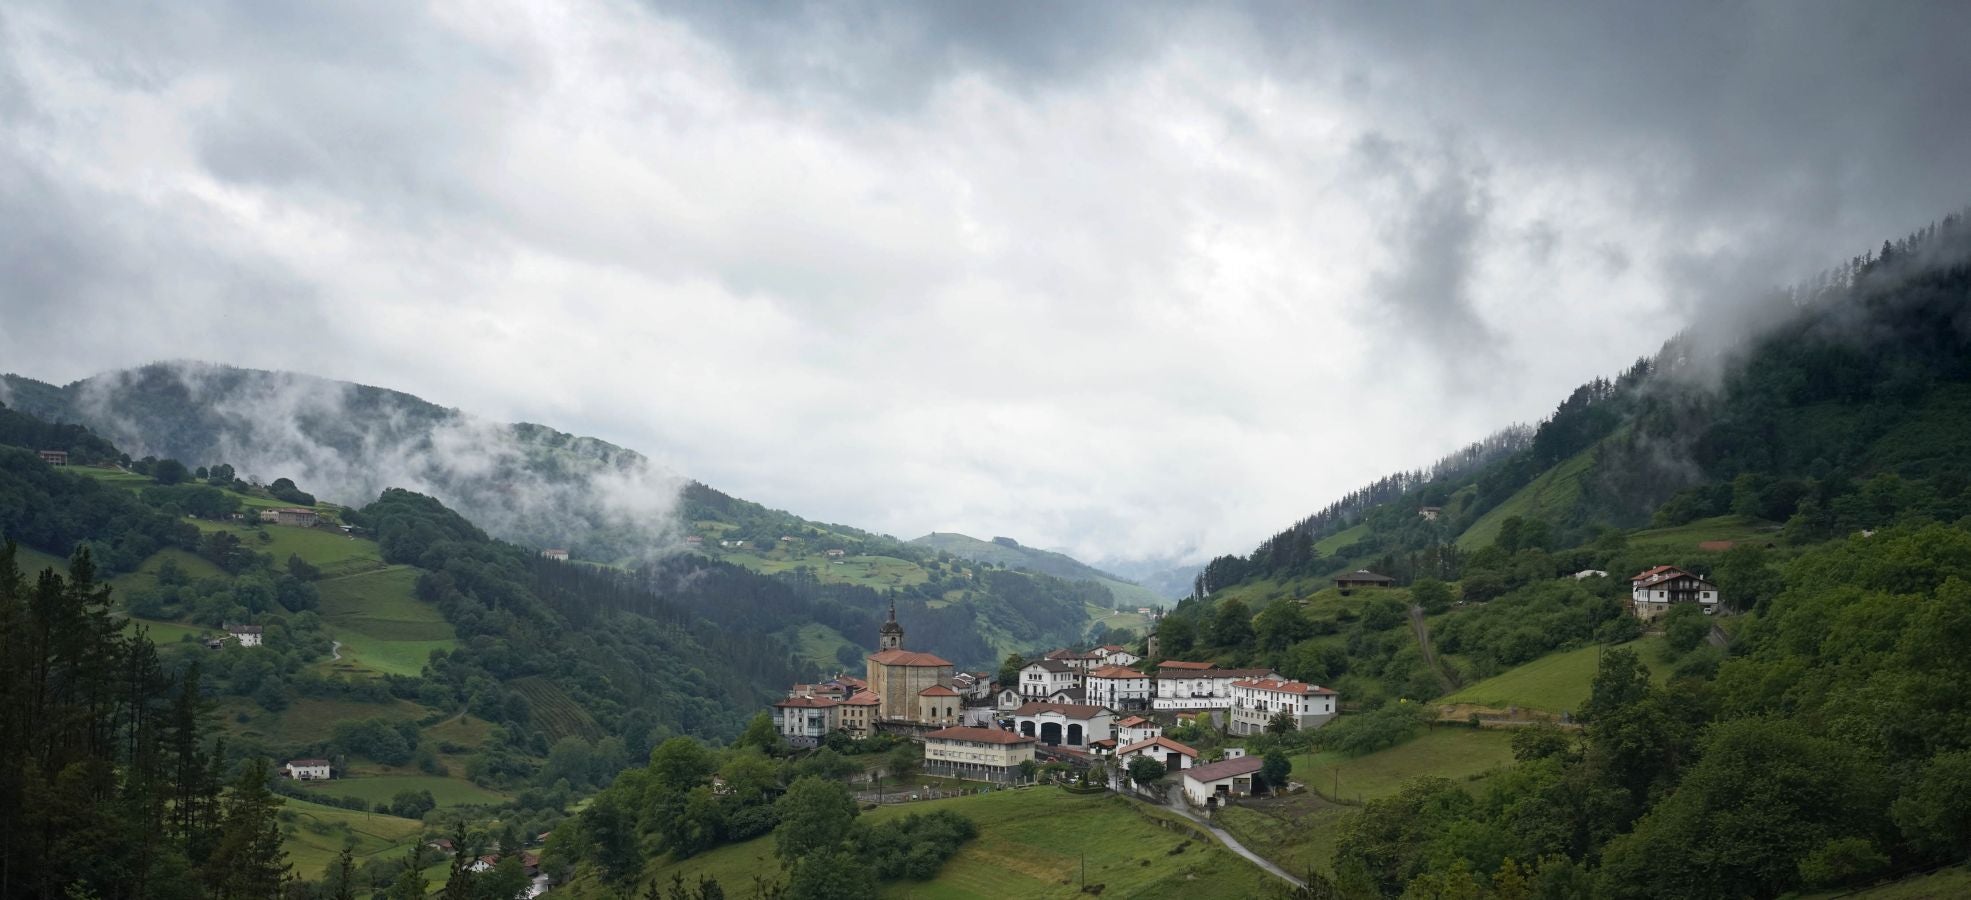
[{"x": 1011, "y": 554}]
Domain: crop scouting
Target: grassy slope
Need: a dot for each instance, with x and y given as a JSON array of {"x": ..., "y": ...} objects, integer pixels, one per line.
[
  {"x": 1549, "y": 496},
  {"x": 1557, "y": 682},
  {"x": 1683, "y": 539},
  {"x": 1328, "y": 545},
  {"x": 317, "y": 833},
  {"x": 447, "y": 791},
  {"x": 330, "y": 550},
  {"x": 1945, "y": 884},
  {"x": 382, "y": 625},
  {"x": 1296, "y": 833},
  {"x": 1031, "y": 844},
  {"x": 1044, "y": 561},
  {"x": 1459, "y": 754}
]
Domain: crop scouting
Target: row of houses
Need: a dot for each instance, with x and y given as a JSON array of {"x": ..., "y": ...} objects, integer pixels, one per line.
[
  {"x": 997, "y": 755},
  {"x": 1175, "y": 686}
]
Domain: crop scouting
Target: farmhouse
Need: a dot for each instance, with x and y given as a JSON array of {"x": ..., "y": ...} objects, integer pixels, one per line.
[
  {"x": 296, "y": 516},
  {"x": 555, "y": 553},
  {"x": 1256, "y": 701},
  {"x": 836, "y": 554},
  {"x": 1208, "y": 784},
  {"x": 1064, "y": 724},
  {"x": 54, "y": 457},
  {"x": 1362, "y": 578},
  {"x": 1586, "y": 574},
  {"x": 1117, "y": 687},
  {"x": 1430, "y": 513},
  {"x": 247, "y": 635},
  {"x": 308, "y": 769},
  {"x": 1652, "y": 593},
  {"x": 1043, "y": 677},
  {"x": 1172, "y": 754},
  {"x": 1196, "y": 686},
  {"x": 978, "y": 754}
]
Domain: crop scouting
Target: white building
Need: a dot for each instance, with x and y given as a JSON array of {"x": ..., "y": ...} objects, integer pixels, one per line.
[
  {"x": 804, "y": 721},
  {"x": 1255, "y": 701},
  {"x": 247, "y": 635},
  {"x": 308, "y": 769},
  {"x": 1208, "y": 784},
  {"x": 1064, "y": 724},
  {"x": 1172, "y": 754},
  {"x": 979, "y": 754},
  {"x": 1136, "y": 729},
  {"x": 1117, "y": 655},
  {"x": 1038, "y": 679},
  {"x": 1193, "y": 686},
  {"x": 1652, "y": 593},
  {"x": 1117, "y": 687}
]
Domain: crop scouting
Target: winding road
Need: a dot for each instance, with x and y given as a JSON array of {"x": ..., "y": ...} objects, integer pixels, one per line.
[
  {"x": 1175, "y": 803},
  {"x": 335, "y": 649}
]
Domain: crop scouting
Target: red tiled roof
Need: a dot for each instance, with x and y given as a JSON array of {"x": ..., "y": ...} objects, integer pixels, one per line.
[
  {"x": 1116, "y": 672},
  {"x": 937, "y": 690},
  {"x": 1132, "y": 722},
  {"x": 907, "y": 658},
  {"x": 1283, "y": 687},
  {"x": 1225, "y": 768},
  {"x": 1656, "y": 571},
  {"x": 1071, "y": 710},
  {"x": 807, "y": 702},
  {"x": 1105, "y": 742},
  {"x": 863, "y": 698},
  {"x": 1180, "y": 664},
  {"x": 1159, "y": 741},
  {"x": 1112, "y": 648},
  {"x": 980, "y": 735}
]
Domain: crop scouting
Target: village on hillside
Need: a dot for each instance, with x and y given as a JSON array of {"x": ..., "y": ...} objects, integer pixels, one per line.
[{"x": 1096, "y": 712}]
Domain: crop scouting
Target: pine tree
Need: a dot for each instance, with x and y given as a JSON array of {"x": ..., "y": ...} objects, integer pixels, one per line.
[
  {"x": 459, "y": 885},
  {"x": 411, "y": 884},
  {"x": 248, "y": 861}
]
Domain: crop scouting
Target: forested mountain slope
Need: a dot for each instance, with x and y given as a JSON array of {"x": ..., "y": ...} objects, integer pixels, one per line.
[{"x": 1005, "y": 551}]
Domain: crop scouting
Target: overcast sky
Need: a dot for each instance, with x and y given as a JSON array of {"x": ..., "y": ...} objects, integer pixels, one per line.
[{"x": 1129, "y": 280}]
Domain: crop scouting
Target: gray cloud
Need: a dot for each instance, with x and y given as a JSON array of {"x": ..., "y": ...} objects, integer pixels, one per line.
[{"x": 1099, "y": 276}]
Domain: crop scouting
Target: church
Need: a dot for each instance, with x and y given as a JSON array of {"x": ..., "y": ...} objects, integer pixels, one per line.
[{"x": 910, "y": 687}]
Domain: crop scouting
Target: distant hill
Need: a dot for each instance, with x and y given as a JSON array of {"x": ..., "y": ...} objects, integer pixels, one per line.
[{"x": 1008, "y": 552}]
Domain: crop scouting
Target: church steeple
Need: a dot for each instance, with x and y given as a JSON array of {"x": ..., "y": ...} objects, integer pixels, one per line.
[{"x": 890, "y": 636}]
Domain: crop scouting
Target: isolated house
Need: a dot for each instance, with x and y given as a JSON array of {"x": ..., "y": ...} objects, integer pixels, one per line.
[
  {"x": 1652, "y": 593},
  {"x": 1362, "y": 578},
  {"x": 555, "y": 553},
  {"x": 54, "y": 457},
  {"x": 308, "y": 769},
  {"x": 291, "y": 515},
  {"x": 1430, "y": 513},
  {"x": 247, "y": 635}
]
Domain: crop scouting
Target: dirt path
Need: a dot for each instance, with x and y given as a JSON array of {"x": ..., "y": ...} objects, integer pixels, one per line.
[
  {"x": 1718, "y": 638},
  {"x": 335, "y": 650},
  {"x": 1422, "y": 629}
]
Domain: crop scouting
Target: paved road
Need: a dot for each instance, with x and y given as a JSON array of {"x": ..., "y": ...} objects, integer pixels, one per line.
[
  {"x": 335, "y": 649},
  {"x": 1422, "y": 629},
  {"x": 1175, "y": 803}
]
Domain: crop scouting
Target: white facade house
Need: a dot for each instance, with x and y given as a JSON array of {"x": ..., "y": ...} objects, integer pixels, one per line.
[
  {"x": 804, "y": 721},
  {"x": 247, "y": 635},
  {"x": 1117, "y": 687},
  {"x": 1136, "y": 729},
  {"x": 1116, "y": 655},
  {"x": 1039, "y": 679},
  {"x": 1194, "y": 686},
  {"x": 1172, "y": 754},
  {"x": 1652, "y": 593},
  {"x": 308, "y": 769},
  {"x": 1256, "y": 701},
  {"x": 1210, "y": 784},
  {"x": 1064, "y": 724}
]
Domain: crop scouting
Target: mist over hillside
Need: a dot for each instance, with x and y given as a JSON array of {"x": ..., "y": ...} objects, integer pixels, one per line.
[{"x": 345, "y": 442}]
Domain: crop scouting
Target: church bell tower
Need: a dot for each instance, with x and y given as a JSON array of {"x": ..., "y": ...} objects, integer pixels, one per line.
[{"x": 890, "y": 636}]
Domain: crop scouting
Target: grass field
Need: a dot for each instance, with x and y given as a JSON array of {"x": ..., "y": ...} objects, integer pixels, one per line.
[
  {"x": 32, "y": 562},
  {"x": 1460, "y": 754},
  {"x": 382, "y": 625},
  {"x": 820, "y": 645},
  {"x": 1328, "y": 545},
  {"x": 327, "y": 549},
  {"x": 1684, "y": 539},
  {"x": 311, "y": 719},
  {"x": 1550, "y": 497},
  {"x": 1944, "y": 884},
  {"x": 1297, "y": 833},
  {"x": 193, "y": 565},
  {"x": 447, "y": 791},
  {"x": 1557, "y": 682},
  {"x": 163, "y": 633},
  {"x": 317, "y": 833},
  {"x": 1032, "y": 844}
]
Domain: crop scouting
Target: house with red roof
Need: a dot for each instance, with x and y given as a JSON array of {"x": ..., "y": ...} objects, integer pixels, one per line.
[
  {"x": 1172, "y": 754},
  {"x": 978, "y": 754},
  {"x": 1199, "y": 686},
  {"x": 1117, "y": 687},
  {"x": 1136, "y": 729},
  {"x": 1255, "y": 701},
  {"x": 1654, "y": 591}
]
